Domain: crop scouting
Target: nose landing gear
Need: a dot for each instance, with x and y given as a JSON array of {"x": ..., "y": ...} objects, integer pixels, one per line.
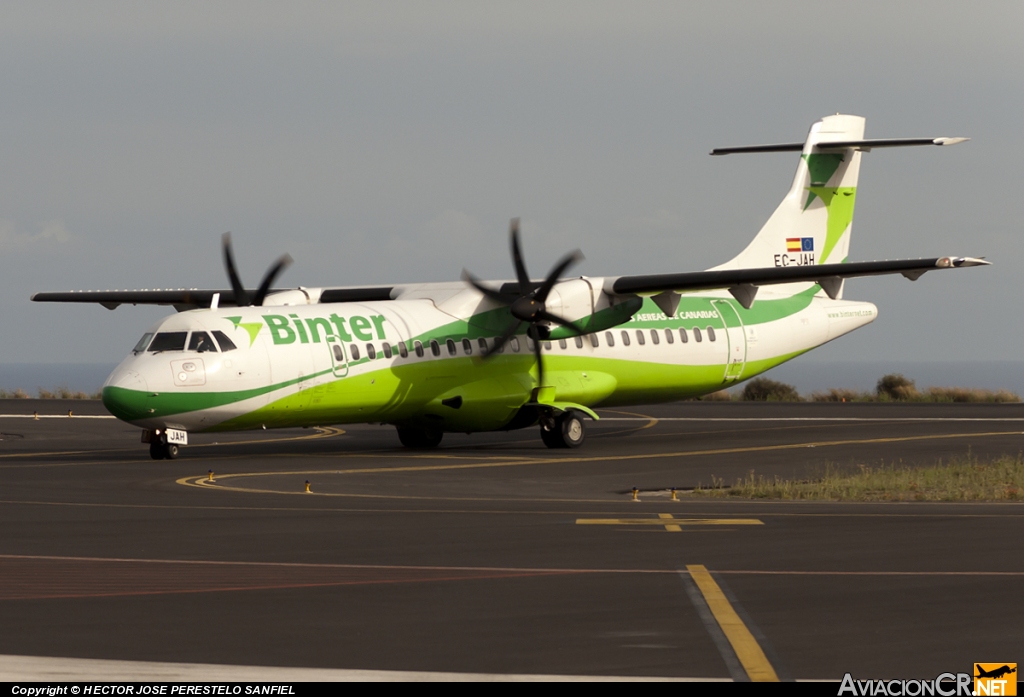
[
  {"x": 163, "y": 451},
  {"x": 164, "y": 444}
]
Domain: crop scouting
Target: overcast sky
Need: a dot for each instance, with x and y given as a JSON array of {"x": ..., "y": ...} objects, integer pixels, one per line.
[{"x": 391, "y": 142}]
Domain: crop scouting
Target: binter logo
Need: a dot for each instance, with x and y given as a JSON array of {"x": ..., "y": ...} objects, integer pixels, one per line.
[
  {"x": 995, "y": 679},
  {"x": 314, "y": 330}
]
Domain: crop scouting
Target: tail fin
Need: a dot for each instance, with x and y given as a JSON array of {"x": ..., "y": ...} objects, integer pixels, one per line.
[{"x": 813, "y": 223}]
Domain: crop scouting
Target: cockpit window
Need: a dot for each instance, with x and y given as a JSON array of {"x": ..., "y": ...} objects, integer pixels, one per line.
[
  {"x": 168, "y": 341},
  {"x": 201, "y": 342},
  {"x": 143, "y": 343},
  {"x": 225, "y": 343}
]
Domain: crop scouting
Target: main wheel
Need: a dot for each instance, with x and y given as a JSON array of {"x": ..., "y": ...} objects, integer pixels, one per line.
[
  {"x": 170, "y": 451},
  {"x": 156, "y": 451},
  {"x": 571, "y": 428},
  {"x": 414, "y": 437},
  {"x": 567, "y": 432},
  {"x": 552, "y": 437}
]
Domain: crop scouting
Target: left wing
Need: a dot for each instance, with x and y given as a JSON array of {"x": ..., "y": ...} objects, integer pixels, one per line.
[
  {"x": 191, "y": 298},
  {"x": 743, "y": 283}
]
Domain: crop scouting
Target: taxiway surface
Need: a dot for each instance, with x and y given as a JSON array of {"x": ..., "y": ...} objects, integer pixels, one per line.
[{"x": 493, "y": 554}]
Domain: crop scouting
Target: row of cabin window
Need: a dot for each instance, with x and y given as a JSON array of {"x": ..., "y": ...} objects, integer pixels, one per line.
[{"x": 513, "y": 343}]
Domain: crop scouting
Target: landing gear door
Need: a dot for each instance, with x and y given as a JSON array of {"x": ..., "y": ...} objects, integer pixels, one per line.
[
  {"x": 339, "y": 358},
  {"x": 736, "y": 339}
]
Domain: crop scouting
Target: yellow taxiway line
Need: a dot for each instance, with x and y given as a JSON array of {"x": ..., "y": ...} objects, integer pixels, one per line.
[
  {"x": 748, "y": 651},
  {"x": 520, "y": 461},
  {"x": 671, "y": 523}
]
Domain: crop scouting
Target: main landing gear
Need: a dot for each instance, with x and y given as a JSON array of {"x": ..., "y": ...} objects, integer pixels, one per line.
[
  {"x": 419, "y": 438},
  {"x": 562, "y": 431}
]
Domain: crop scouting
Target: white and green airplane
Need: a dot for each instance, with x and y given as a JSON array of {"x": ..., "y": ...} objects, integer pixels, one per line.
[{"x": 472, "y": 356}]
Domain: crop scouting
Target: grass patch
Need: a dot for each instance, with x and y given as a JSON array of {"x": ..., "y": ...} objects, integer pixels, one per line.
[{"x": 961, "y": 479}]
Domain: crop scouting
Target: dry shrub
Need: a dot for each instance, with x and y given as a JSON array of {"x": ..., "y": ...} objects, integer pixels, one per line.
[
  {"x": 765, "y": 390},
  {"x": 720, "y": 396},
  {"x": 896, "y": 387},
  {"x": 839, "y": 395},
  {"x": 963, "y": 394}
]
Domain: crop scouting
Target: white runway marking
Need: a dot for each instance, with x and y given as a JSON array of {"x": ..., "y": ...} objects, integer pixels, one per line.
[{"x": 42, "y": 669}]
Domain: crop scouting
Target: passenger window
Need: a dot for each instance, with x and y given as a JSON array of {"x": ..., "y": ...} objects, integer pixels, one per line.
[
  {"x": 168, "y": 341},
  {"x": 595, "y": 340},
  {"x": 547, "y": 345},
  {"x": 640, "y": 337},
  {"x": 609, "y": 338},
  {"x": 529, "y": 343},
  {"x": 696, "y": 335},
  {"x": 711, "y": 333},
  {"x": 387, "y": 350},
  {"x": 403, "y": 350},
  {"x": 143, "y": 343},
  {"x": 670, "y": 338},
  {"x": 435, "y": 348},
  {"x": 514, "y": 343},
  {"x": 371, "y": 352},
  {"x": 625, "y": 338},
  {"x": 467, "y": 347},
  {"x": 682, "y": 335},
  {"x": 579, "y": 342},
  {"x": 654, "y": 336},
  {"x": 562, "y": 344},
  {"x": 497, "y": 348},
  {"x": 354, "y": 352},
  {"x": 451, "y": 347},
  {"x": 482, "y": 343},
  {"x": 419, "y": 349},
  {"x": 201, "y": 342},
  {"x": 339, "y": 354},
  {"x": 226, "y": 344}
]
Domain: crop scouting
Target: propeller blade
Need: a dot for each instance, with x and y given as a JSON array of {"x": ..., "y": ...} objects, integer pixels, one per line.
[
  {"x": 489, "y": 292},
  {"x": 517, "y": 258},
  {"x": 241, "y": 297},
  {"x": 568, "y": 260},
  {"x": 271, "y": 274},
  {"x": 535, "y": 335},
  {"x": 561, "y": 321},
  {"x": 502, "y": 340}
]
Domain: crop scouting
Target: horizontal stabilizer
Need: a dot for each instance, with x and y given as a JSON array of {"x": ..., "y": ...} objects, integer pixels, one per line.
[
  {"x": 729, "y": 278},
  {"x": 862, "y": 145}
]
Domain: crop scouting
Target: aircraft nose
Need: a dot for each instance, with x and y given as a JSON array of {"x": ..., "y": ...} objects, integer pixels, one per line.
[{"x": 123, "y": 395}]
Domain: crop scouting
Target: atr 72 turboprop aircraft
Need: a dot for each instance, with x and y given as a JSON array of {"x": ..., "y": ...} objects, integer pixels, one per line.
[{"x": 474, "y": 356}]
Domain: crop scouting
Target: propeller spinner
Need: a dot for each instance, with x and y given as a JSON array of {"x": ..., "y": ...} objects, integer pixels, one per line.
[
  {"x": 527, "y": 303},
  {"x": 241, "y": 294}
]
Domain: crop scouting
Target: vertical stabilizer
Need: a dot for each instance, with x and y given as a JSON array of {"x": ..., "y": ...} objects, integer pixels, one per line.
[{"x": 813, "y": 223}]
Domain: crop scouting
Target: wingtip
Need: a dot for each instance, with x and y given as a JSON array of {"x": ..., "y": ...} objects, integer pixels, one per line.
[
  {"x": 959, "y": 262},
  {"x": 950, "y": 141}
]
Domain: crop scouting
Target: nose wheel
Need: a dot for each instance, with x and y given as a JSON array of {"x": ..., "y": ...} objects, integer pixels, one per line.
[
  {"x": 163, "y": 451},
  {"x": 563, "y": 431}
]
